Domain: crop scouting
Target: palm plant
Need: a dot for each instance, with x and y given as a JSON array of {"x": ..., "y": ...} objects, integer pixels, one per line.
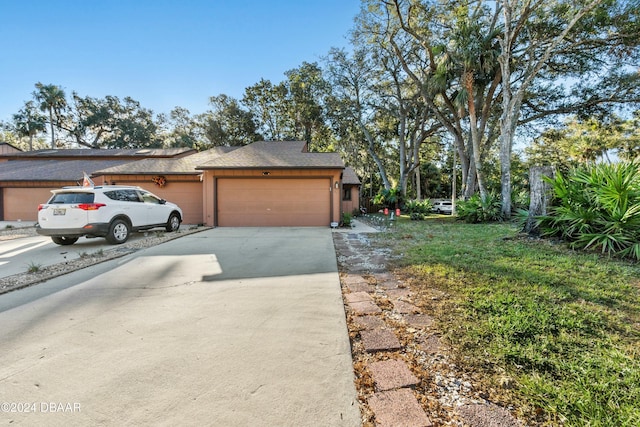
[
  {"x": 478, "y": 209},
  {"x": 52, "y": 99},
  {"x": 29, "y": 122},
  {"x": 598, "y": 207}
]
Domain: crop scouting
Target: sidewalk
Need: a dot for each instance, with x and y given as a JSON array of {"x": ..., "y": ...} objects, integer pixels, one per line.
[{"x": 356, "y": 227}]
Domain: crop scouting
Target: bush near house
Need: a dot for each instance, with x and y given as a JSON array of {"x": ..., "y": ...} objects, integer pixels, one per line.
[
  {"x": 597, "y": 207},
  {"x": 346, "y": 219},
  {"x": 476, "y": 210},
  {"x": 417, "y": 206}
]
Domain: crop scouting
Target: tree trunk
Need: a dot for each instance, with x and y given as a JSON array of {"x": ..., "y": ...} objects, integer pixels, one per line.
[
  {"x": 53, "y": 137},
  {"x": 453, "y": 184},
  {"x": 475, "y": 137},
  {"x": 471, "y": 184},
  {"x": 506, "y": 143},
  {"x": 540, "y": 194}
]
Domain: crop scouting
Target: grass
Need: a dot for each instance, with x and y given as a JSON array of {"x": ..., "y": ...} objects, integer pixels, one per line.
[
  {"x": 553, "y": 332},
  {"x": 33, "y": 267}
]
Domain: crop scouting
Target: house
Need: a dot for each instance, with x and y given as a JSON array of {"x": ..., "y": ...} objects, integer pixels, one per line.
[
  {"x": 172, "y": 179},
  {"x": 27, "y": 177},
  {"x": 272, "y": 183},
  {"x": 267, "y": 183}
]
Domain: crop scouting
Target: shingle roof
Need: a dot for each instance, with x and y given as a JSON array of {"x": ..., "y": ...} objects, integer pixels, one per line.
[
  {"x": 182, "y": 165},
  {"x": 96, "y": 153},
  {"x": 349, "y": 176},
  {"x": 274, "y": 155},
  {"x": 52, "y": 170}
]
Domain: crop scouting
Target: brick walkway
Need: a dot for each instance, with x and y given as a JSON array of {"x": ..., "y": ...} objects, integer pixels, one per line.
[
  {"x": 391, "y": 383},
  {"x": 394, "y": 402}
]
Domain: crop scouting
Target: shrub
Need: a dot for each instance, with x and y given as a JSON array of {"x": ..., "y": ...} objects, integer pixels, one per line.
[
  {"x": 416, "y": 216},
  {"x": 388, "y": 197},
  {"x": 597, "y": 207},
  {"x": 417, "y": 206},
  {"x": 346, "y": 219},
  {"x": 476, "y": 210}
]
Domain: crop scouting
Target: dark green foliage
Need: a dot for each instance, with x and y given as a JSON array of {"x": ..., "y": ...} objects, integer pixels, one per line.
[
  {"x": 477, "y": 210},
  {"x": 346, "y": 219},
  {"x": 416, "y": 216},
  {"x": 388, "y": 197},
  {"x": 417, "y": 206},
  {"x": 597, "y": 207}
]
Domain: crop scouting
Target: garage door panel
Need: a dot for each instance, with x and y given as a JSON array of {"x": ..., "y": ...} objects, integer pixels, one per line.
[
  {"x": 273, "y": 202},
  {"x": 22, "y": 203}
]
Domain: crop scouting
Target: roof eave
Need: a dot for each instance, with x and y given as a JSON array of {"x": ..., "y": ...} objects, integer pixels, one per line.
[{"x": 265, "y": 167}]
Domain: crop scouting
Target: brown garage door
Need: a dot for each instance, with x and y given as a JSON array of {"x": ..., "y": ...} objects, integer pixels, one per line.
[
  {"x": 22, "y": 203},
  {"x": 273, "y": 202}
]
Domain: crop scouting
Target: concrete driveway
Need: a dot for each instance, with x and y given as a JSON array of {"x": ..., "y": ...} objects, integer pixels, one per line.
[
  {"x": 16, "y": 255},
  {"x": 227, "y": 327}
]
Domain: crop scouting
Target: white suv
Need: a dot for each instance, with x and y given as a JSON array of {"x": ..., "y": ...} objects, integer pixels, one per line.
[
  {"x": 442, "y": 207},
  {"x": 111, "y": 211}
]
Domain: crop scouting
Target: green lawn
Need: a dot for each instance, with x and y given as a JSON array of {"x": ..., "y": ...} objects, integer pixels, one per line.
[{"x": 552, "y": 331}]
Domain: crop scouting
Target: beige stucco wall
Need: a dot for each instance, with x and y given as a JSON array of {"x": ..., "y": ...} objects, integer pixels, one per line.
[{"x": 210, "y": 176}]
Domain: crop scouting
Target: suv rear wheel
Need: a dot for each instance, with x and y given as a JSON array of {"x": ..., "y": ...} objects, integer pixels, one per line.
[
  {"x": 119, "y": 231},
  {"x": 62, "y": 240}
]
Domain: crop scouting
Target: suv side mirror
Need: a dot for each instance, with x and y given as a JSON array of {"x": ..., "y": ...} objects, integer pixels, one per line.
[{"x": 163, "y": 201}]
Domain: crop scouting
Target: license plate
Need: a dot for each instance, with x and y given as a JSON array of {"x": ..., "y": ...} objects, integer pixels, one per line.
[{"x": 59, "y": 211}]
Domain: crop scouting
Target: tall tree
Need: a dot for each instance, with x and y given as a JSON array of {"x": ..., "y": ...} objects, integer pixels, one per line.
[
  {"x": 28, "y": 122},
  {"x": 292, "y": 109},
  {"x": 228, "y": 124},
  {"x": 522, "y": 50},
  {"x": 110, "y": 122},
  {"x": 183, "y": 129},
  {"x": 353, "y": 104},
  {"x": 53, "y": 100},
  {"x": 307, "y": 91},
  {"x": 268, "y": 104},
  {"x": 373, "y": 91},
  {"x": 534, "y": 31},
  {"x": 449, "y": 52}
]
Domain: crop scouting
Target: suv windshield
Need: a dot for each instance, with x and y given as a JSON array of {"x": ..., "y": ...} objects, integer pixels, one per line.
[{"x": 68, "y": 198}]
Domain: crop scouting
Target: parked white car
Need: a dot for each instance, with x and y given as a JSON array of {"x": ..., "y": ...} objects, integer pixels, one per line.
[
  {"x": 442, "y": 207},
  {"x": 110, "y": 211}
]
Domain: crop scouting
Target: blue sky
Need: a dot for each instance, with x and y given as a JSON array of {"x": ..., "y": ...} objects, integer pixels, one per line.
[{"x": 161, "y": 53}]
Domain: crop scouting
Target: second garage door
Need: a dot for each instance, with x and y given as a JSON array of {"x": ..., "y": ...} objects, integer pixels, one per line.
[{"x": 273, "y": 202}]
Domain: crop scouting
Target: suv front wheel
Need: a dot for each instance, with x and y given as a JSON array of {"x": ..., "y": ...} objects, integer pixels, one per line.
[
  {"x": 174, "y": 222},
  {"x": 119, "y": 231}
]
